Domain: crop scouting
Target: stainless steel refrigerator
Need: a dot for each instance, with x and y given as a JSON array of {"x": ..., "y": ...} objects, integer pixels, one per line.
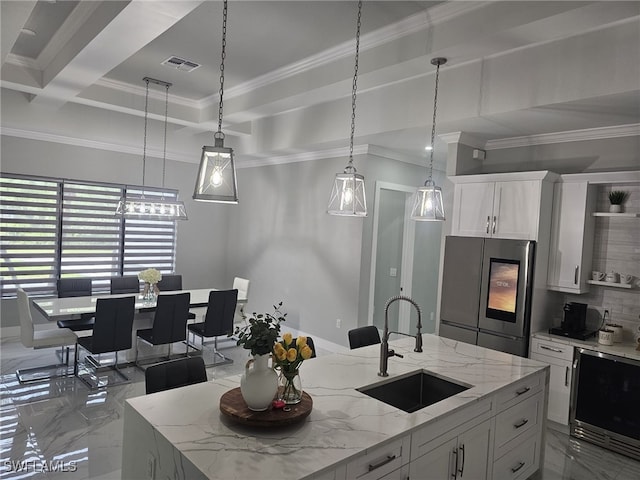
[{"x": 487, "y": 285}]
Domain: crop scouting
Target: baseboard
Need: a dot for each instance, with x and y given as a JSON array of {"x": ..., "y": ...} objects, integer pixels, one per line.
[{"x": 8, "y": 332}]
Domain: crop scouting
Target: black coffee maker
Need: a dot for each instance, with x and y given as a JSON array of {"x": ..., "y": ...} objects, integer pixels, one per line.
[{"x": 575, "y": 316}]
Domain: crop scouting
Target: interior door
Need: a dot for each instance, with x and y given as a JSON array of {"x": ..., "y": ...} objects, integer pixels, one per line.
[
  {"x": 389, "y": 255},
  {"x": 392, "y": 255}
]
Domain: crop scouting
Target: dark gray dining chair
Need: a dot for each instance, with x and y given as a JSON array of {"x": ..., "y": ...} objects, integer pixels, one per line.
[
  {"x": 170, "y": 282},
  {"x": 169, "y": 323},
  {"x": 363, "y": 336},
  {"x": 111, "y": 334},
  {"x": 173, "y": 282},
  {"x": 218, "y": 321},
  {"x": 75, "y": 287},
  {"x": 175, "y": 373},
  {"x": 125, "y": 284}
]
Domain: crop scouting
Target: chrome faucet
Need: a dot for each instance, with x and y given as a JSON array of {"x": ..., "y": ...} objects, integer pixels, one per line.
[{"x": 385, "y": 353}]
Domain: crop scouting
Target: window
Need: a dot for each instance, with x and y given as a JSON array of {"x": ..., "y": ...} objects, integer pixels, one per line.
[
  {"x": 53, "y": 228},
  {"x": 30, "y": 213}
]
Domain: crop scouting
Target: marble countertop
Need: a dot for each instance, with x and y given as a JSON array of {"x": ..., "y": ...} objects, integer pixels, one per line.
[
  {"x": 625, "y": 349},
  {"x": 343, "y": 422}
]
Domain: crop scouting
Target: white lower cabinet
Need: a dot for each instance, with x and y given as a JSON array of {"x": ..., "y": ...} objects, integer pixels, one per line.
[
  {"x": 497, "y": 438},
  {"x": 559, "y": 357},
  {"x": 463, "y": 457},
  {"x": 520, "y": 461},
  {"x": 380, "y": 461}
]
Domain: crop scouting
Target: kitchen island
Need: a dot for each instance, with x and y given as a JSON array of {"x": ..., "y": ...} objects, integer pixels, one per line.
[{"x": 495, "y": 427}]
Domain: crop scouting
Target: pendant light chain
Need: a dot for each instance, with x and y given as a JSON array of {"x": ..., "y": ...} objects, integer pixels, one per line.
[
  {"x": 354, "y": 89},
  {"x": 433, "y": 124},
  {"x": 144, "y": 145},
  {"x": 223, "y": 56},
  {"x": 164, "y": 148}
]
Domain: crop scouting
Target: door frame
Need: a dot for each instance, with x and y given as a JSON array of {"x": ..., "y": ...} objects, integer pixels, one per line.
[{"x": 408, "y": 239}]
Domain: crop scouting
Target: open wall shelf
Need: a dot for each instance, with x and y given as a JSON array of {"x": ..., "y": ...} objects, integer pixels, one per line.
[
  {"x": 609, "y": 214},
  {"x": 610, "y": 284}
]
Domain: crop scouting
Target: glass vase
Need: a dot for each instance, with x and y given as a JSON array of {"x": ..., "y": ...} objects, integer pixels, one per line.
[
  {"x": 150, "y": 292},
  {"x": 290, "y": 387}
]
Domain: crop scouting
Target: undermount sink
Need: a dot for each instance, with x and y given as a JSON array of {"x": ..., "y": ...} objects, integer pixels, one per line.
[{"x": 414, "y": 391}]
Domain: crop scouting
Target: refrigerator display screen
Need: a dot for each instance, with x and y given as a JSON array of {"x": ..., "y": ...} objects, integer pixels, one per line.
[{"x": 502, "y": 294}]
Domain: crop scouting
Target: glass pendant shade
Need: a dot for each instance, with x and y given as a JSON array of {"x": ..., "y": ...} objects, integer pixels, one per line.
[
  {"x": 216, "y": 180},
  {"x": 347, "y": 195},
  {"x": 427, "y": 203},
  {"x": 152, "y": 209}
]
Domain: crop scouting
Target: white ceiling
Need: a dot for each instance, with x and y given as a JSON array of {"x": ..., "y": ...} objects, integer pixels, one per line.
[{"x": 288, "y": 56}]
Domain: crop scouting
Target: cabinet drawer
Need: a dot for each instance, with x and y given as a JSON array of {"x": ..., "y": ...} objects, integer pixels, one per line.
[
  {"x": 517, "y": 421},
  {"x": 519, "y": 391},
  {"x": 552, "y": 349},
  {"x": 380, "y": 461},
  {"x": 519, "y": 463}
]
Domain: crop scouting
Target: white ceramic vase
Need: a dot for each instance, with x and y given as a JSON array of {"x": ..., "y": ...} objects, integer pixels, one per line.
[{"x": 259, "y": 383}]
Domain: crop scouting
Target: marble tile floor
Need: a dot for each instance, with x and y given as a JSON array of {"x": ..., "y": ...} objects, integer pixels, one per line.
[{"x": 60, "y": 429}]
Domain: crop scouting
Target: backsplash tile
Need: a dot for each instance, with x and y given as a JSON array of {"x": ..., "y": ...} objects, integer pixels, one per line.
[{"x": 616, "y": 248}]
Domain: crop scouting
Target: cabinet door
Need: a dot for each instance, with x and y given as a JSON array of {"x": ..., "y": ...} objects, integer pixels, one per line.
[
  {"x": 473, "y": 452},
  {"x": 516, "y": 210},
  {"x": 571, "y": 237},
  {"x": 437, "y": 464},
  {"x": 559, "y": 388},
  {"x": 472, "y": 209}
]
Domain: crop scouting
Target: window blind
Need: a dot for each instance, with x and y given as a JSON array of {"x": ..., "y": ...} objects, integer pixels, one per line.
[
  {"x": 91, "y": 238},
  {"x": 30, "y": 213},
  {"x": 52, "y": 228},
  {"x": 149, "y": 243}
]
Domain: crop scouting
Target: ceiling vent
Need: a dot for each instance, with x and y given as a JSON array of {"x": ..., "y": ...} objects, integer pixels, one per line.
[{"x": 181, "y": 64}]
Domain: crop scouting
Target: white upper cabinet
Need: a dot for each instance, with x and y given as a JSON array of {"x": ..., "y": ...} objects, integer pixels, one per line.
[
  {"x": 502, "y": 205},
  {"x": 571, "y": 237}
]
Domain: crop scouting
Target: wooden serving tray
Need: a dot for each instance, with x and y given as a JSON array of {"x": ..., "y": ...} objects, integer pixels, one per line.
[{"x": 233, "y": 406}]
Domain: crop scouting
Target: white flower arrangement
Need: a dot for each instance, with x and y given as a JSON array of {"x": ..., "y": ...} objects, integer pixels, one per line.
[{"x": 150, "y": 275}]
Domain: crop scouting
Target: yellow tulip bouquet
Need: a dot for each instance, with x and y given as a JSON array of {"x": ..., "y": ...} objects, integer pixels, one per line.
[{"x": 288, "y": 356}]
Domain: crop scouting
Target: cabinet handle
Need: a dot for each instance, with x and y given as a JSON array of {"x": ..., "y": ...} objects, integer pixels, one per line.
[
  {"x": 390, "y": 458},
  {"x": 544, "y": 347},
  {"x": 515, "y": 469},
  {"x": 521, "y": 423},
  {"x": 494, "y": 225},
  {"x": 566, "y": 376},
  {"x": 575, "y": 275},
  {"x": 488, "y": 220},
  {"x": 461, "y": 471},
  {"x": 522, "y": 391},
  {"x": 455, "y": 464}
]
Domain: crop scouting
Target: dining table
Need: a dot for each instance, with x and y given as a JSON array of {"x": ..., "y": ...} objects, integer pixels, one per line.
[{"x": 57, "y": 308}]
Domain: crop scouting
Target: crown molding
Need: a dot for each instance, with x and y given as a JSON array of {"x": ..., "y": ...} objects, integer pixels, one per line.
[
  {"x": 82, "y": 142},
  {"x": 462, "y": 137},
  {"x": 562, "y": 137},
  {"x": 414, "y": 23}
]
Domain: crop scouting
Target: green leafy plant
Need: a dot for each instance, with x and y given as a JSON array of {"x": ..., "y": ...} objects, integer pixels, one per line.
[
  {"x": 616, "y": 197},
  {"x": 261, "y": 332}
]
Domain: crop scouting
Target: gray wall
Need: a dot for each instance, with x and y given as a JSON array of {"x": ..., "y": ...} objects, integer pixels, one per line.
[
  {"x": 202, "y": 240},
  {"x": 602, "y": 155}
]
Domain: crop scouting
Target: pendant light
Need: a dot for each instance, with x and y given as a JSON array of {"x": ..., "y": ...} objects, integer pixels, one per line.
[
  {"x": 427, "y": 204},
  {"x": 348, "y": 194},
  {"x": 216, "y": 180},
  {"x": 141, "y": 207}
]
